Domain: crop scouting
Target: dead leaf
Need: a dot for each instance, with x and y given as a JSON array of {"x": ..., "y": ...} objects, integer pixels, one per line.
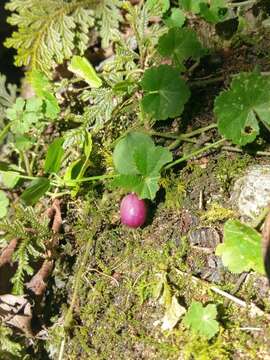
[
  {"x": 37, "y": 284},
  {"x": 172, "y": 315},
  {"x": 15, "y": 310},
  {"x": 8, "y": 251}
]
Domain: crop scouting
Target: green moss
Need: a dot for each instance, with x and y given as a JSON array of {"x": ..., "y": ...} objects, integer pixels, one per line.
[
  {"x": 230, "y": 168},
  {"x": 216, "y": 213}
]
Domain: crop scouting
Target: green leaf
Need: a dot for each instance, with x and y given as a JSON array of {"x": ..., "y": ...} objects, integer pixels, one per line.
[
  {"x": 191, "y": 5},
  {"x": 82, "y": 68},
  {"x": 202, "y": 320},
  {"x": 176, "y": 19},
  {"x": 35, "y": 191},
  {"x": 180, "y": 45},
  {"x": 139, "y": 161},
  {"x": 43, "y": 89},
  {"x": 123, "y": 159},
  {"x": 239, "y": 108},
  {"x": 165, "y": 93},
  {"x": 9, "y": 179},
  {"x": 87, "y": 146},
  {"x": 4, "y": 202},
  {"x": 72, "y": 172},
  {"x": 214, "y": 12},
  {"x": 144, "y": 187},
  {"x": 172, "y": 315},
  {"x": 24, "y": 114},
  {"x": 164, "y": 3},
  {"x": 54, "y": 156},
  {"x": 241, "y": 250}
]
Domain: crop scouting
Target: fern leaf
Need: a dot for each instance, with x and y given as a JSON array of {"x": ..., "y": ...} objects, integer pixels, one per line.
[
  {"x": 7, "y": 95},
  {"x": 48, "y": 31},
  {"x": 6, "y": 343},
  {"x": 109, "y": 16},
  {"x": 103, "y": 101}
]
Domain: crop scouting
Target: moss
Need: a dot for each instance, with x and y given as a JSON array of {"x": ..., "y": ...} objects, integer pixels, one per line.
[
  {"x": 216, "y": 213},
  {"x": 230, "y": 168}
]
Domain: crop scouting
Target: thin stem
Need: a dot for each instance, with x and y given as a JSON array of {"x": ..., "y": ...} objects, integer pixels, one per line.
[
  {"x": 241, "y": 3},
  {"x": 199, "y": 131},
  {"x": 99, "y": 177},
  {"x": 4, "y": 132},
  {"x": 183, "y": 136},
  {"x": 195, "y": 153},
  {"x": 26, "y": 177},
  {"x": 26, "y": 163},
  {"x": 205, "y": 82}
]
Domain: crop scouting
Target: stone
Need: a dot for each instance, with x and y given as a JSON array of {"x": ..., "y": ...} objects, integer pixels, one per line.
[{"x": 251, "y": 192}]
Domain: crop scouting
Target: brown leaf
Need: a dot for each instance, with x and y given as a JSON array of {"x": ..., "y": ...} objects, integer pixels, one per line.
[
  {"x": 15, "y": 310},
  {"x": 37, "y": 284},
  {"x": 8, "y": 251},
  {"x": 54, "y": 213}
]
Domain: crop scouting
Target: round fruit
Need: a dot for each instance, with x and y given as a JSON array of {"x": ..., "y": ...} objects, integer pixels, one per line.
[{"x": 133, "y": 211}]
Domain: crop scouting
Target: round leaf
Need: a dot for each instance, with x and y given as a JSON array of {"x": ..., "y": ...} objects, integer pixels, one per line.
[
  {"x": 165, "y": 92},
  {"x": 239, "y": 108}
]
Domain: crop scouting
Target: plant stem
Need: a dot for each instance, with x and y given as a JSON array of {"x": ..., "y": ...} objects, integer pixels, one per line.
[
  {"x": 199, "y": 131},
  {"x": 183, "y": 136},
  {"x": 26, "y": 163},
  {"x": 19, "y": 175},
  {"x": 197, "y": 152},
  {"x": 205, "y": 82},
  {"x": 99, "y": 177},
  {"x": 4, "y": 132},
  {"x": 241, "y": 3},
  {"x": 78, "y": 278}
]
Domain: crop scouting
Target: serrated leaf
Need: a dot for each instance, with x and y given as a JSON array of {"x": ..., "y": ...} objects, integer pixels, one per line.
[
  {"x": 54, "y": 156},
  {"x": 35, "y": 191},
  {"x": 144, "y": 187},
  {"x": 241, "y": 249},
  {"x": 202, "y": 320},
  {"x": 165, "y": 4},
  {"x": 180, "y": 45},
  {"x": 191, "y": 5},
  {"x": 4, "y": 202},
  {"x": 239, "y": 108},
  {"x": 82, "y": 68},
  {"x": 139, "y": 161},
  {"x": 172, "y": 315},
  {"x": 165, "y": 93},
  {"x": 176, "y": 19},
  {"x": 213, "y": 12}
]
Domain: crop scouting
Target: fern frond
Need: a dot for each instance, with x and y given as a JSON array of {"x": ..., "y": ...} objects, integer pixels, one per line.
[
  {"x": 109, "y": 16},
  {"x": 48, "y": 31},
  {"x": 7, "y": 95},
  {"x": 103, "y": 101},
  {"x": 33, "y": 233},
  {"x": 21, "y": 256},
  {"x": 7, "y": 346}
]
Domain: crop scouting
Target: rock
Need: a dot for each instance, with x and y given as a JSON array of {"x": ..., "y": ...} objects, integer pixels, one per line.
[
  {"x": 206, "y": 237},
  {"x": 251, "y": 193}
]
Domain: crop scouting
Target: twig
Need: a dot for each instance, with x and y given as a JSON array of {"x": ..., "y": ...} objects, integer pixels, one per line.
[{"x": 253, "y": 309}]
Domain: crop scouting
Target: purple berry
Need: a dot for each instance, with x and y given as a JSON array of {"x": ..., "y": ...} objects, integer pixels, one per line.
[{"x": 133, "y": 211}]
